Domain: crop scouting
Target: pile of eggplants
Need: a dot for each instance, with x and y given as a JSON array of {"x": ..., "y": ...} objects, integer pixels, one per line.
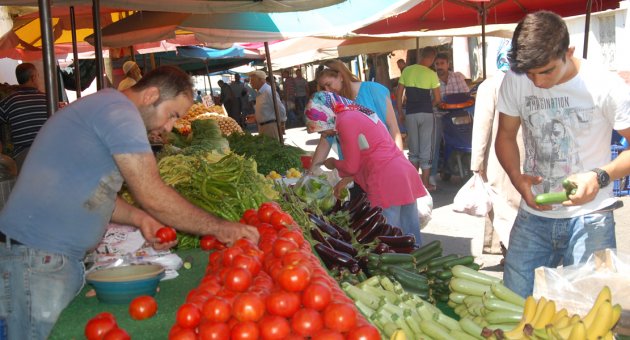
[{"x": 346, "y": 247}]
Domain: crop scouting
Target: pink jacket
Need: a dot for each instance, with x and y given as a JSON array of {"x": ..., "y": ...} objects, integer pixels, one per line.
[{"x": 377, "y": 165}]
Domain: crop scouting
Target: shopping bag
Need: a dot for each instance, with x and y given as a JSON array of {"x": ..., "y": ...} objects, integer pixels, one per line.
[{"x": 474, "y": 198}]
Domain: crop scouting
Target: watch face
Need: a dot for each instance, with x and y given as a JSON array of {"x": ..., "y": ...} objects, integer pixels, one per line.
[{"x": 603, "y": 179}]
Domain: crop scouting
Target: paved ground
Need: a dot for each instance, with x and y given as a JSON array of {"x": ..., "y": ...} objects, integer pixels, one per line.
[{"x": 461, "y": 233}]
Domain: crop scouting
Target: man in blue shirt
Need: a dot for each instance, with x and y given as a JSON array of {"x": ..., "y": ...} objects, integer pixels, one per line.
[{"x": 67, "y": 193}]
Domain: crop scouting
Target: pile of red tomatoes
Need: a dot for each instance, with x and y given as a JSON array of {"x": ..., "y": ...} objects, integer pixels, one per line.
[{"x": 274, "y": 290}]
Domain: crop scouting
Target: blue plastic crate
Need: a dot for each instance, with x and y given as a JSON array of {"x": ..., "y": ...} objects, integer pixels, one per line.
[{"x": 621, "y": 187}]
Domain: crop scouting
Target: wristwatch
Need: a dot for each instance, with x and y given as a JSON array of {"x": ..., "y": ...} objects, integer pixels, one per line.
[{"x": 603, "y": 179}]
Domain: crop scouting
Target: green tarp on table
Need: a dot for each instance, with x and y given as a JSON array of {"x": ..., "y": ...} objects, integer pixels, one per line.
[{"x": 172, "y": 294}]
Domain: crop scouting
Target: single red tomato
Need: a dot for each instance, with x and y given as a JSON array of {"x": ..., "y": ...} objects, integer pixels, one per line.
[
  {"x": 272, "y": 204},
  {"x": 245, "y": 243},
  {"x": 282, "y": 246},
  {"x": 142, "y": 307},
  {"x": 282, "y": 303},
  {"x": 229, "y": 254},
  {"x": 292, "y": 257},
  {"x": 248, "y": 307},
  {"x": 366, "y": 332},
  {"x": 327, "y": 334},
  {"x": 264, "y": 213},
  {"x": 280, "y": 220},
  {"x": 253, "y": 221},
  {"x": 306, "y": 322},
  {"x": 340, "y": 317},
  {"x": 188, "y": 316},
  {"x": 96, "y": 327},
  {"x": 292, "y": 234},
  {"x": 217, "y": 309},
  {"x": 117, "y": 334},
  {"x": 246, "y": 330},
  {"x": 105, "y": 315},
  {"x": 250, "y": 213},
  {"x": 294, "y": 278},
  {"x": 209, "y": 242},
  {"x": 179, "y": 333},
  {"x": 237, "y": 279},
  {"x": 316, "y": 296},
  {"x": 166, "y": 234},
  {"x": 249, "y": 263},
  {"x": 274, "y": 327},
  {"x": 214, "y": 331}
]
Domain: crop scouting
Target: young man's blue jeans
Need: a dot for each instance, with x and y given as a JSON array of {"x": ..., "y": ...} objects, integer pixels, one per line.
[
  {"x": 539, "y": 241},
  {"x": 406, "y": 217},
  {"x": 36, "y": 286}
]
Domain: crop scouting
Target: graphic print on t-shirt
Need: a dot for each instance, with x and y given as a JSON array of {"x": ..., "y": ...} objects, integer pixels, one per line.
[{"x": 552, "y": 150}]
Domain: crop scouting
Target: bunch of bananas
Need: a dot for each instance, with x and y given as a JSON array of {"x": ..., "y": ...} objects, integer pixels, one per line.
[{"x": 541, "y": 320}]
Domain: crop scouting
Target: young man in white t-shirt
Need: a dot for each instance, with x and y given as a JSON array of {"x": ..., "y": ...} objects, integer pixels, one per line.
[{"x": 567, "y": 109}]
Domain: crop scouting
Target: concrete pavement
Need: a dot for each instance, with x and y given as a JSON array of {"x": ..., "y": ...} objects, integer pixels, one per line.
[{"x": 461, "y": 233}]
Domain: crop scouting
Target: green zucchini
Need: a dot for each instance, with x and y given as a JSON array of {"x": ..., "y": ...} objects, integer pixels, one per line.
[
  {"x": 464, "y": 260},
  {"x": 551, "y": 198},
  {"x": 425, "y": 258},
  {"x": 439, "y": 261},
  {"x": 473, "y": 275},
  {"x": 426, "y": 248},
  {"x": 396, "y": 258}
]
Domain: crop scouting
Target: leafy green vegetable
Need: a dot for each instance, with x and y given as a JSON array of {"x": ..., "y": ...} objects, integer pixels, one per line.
[{"x": 268, "y": 153}]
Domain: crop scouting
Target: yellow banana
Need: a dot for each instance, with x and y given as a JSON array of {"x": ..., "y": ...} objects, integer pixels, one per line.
[
  {"x": 559, "y": 315},
  {"x": 552, "y": 333},
  {"x": 574, "y": 319},
  {"x": 398, "y": 335},
  {"x": 529, "y": 311},
  {"x": 616, "y": 314},
  {"x": 602, "y": 320},
  {"x": 608, "y": 336},
  {"x": 545, "y": 315},
  {"x": 578, "y": 332},
  {"x": 604, "y": 295},
  {"x": 561, "y": 322}
]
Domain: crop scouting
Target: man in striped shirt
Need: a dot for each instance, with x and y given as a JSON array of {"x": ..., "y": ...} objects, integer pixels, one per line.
[{"x": 24, "y": 111}]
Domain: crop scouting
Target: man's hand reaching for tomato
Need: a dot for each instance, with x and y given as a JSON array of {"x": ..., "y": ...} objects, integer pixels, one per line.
[{"x": 149, "y": 227}]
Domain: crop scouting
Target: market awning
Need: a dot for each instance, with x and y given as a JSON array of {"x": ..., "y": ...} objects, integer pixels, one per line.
[
  {"x": 195, "y": 6},
  {"x": 335, "y": 20}
]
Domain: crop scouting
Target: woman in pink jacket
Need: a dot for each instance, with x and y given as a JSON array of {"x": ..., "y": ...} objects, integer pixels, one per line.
[{"x": 370, "y": 156}]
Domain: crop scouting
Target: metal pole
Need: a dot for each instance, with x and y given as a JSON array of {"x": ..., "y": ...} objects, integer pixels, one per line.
[
  {"x": 75, "y": 53},
  {"x": 48, "y": 50},
  {"x": 208, "y": 76},
  {"x": 483, "y": 38},
  {"x": 273, "y": 93},
  {"x": 98, "y": 48},
  {"x": 587, "y": 27}
]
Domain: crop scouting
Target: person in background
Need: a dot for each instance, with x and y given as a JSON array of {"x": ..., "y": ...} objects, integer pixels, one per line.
[
  {"x": 401, "y": 64},
  {"x": 53, "y": 217},
  {"x": 334, "y": 76},
  {"x": 240, "y": 97},
  {"x": 198, "y": 98},
  {"x": 228, "y": 100},
  {"x": 421, "y": 87},
  {"x": 483, "y": 159},
  {"x": 288, "y": 94},
  {"x": 248, "y": 109},
  {"x": 132, "y": 75},
  {"x": 265, "y": 112},
  {"x": 367, "y": 147},
  {"x": 567, "y": 109},
  {"x": 24, "y": 111},
  {"x": 301, "y": 94}
]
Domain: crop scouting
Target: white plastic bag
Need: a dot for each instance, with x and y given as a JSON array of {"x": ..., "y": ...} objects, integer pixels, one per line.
[
  {"x": 425, "y": 209},
  {"x": 474, "y": 198}
]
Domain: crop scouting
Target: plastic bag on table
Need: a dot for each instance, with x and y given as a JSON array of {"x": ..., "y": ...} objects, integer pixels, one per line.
[
  {"x": 425, "y": 209},
  {"x": 318, "y": 189},
  {"x": 474, "y": 197},
  {"x": 576, "y": 287}
]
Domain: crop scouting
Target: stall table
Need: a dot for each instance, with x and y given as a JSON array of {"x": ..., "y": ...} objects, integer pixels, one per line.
[{"x": 172, "y": 294}]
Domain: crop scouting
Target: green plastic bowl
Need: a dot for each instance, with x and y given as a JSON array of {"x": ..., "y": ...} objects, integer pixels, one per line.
[{"x": 122, "y": 284}]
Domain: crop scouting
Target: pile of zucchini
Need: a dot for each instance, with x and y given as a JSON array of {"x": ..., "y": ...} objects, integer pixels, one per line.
[{"x": 424, "y": 271}]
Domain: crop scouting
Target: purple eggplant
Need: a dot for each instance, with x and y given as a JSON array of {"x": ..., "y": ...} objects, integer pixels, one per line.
[
  {"x": 369, "y": 234},
  {"x": 381, "y": 248},
  {"x": 356, "y": 201},
  {"x": 323, "y": 226},
  {"x": 403, "y": 250},
  {"x": 365, "y": 217},
  {"x": 408, "y": 240},
  {"x": 317, "y": 235},
  {"x": 333, "y": 257},
  {"x": 345, "y": 235},
  {"x": 342, "y": 246},
  {"x": 396, "y": 231}
]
